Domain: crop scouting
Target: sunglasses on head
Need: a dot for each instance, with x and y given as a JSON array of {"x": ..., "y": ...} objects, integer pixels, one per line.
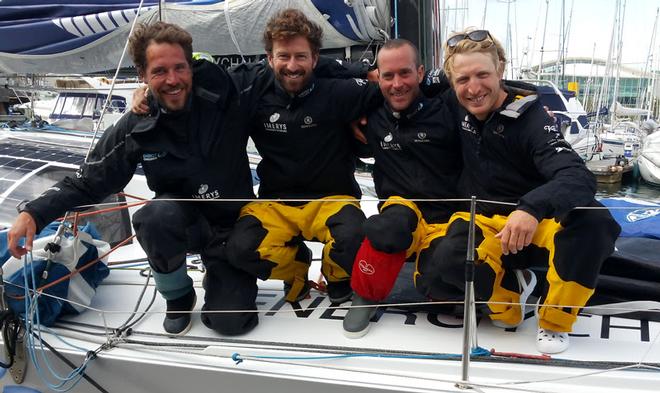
[{"x": 476, "y": 36}]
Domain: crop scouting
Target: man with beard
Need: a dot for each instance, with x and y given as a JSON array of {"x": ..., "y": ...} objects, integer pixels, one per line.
[
  {"x": 308, "y": 155},
  {"x": 192, "y": 145}
]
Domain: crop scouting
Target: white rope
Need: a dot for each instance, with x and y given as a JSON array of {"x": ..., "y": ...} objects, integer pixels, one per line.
[
  {"x": 369, "y": 199},
  {"x": 623, "y": 308}
]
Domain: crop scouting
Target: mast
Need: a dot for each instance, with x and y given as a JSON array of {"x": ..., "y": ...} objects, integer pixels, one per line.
[
  {"x": 645, "y": 99},
  {"x": 483, "y": 18},
  {"x": 604, "y": 86},
  {"x": 615, "y": 93},
  {"x": 560, "y": 50},
  {"x": 545, "y": 27},
  {"x": 585, "y": 96}
]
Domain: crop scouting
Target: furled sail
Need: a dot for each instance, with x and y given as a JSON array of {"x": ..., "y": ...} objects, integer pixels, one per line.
[{"x": 77, "y": 36}]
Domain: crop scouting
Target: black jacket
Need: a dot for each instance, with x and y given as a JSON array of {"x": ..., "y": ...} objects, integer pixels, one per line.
[
  {"x": 306, "y": 147},
  {"x": 207, "y": 162},
  {"x": 417, "y": 155},
  {"x": 518, "y": 155}
]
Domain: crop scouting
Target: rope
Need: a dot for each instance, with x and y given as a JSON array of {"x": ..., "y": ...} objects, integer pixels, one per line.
[
  {"x": 476, "y": 352},
  {"x": 63, "y": 383},
  {"x": 76, "y": 271}
]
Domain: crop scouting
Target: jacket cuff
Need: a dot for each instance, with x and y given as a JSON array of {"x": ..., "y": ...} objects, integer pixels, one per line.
[
  {"x": 38, "y": 219},
  {"x": 530, "y": 210}
]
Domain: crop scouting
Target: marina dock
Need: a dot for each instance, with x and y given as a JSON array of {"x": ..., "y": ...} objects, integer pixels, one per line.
[{"x": 610, "y": 170}]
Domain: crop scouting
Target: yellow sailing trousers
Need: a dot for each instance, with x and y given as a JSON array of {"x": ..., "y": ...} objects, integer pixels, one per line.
[
  {"x": 564, "y": 296},
  {"x": 268, "y": 237}
]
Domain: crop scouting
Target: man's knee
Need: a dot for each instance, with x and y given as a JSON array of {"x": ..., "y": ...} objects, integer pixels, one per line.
[
  {"x": 157, "y": 216},
  {"x": 347, "y": 222},
  {"x": 229, "y": 293},
  {"x": 244, "y": 240},
  {"x": 392, "y": 230},
  {"x": 230, "y": 324}
]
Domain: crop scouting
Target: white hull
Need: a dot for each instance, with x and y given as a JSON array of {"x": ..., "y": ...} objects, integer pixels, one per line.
[
  {"x": 202, "y": 360},
  {"x": 308, "y": 352},
  {"x": 649, "y": 160}
]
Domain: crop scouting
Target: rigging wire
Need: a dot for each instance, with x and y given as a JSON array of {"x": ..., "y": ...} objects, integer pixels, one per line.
[{"x": 108, "y": 99}]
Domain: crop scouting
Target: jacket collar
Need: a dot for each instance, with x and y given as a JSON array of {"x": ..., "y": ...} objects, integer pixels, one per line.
[
  {"x": 415, "y": 107},
  {"x": 306, "y": 91}
]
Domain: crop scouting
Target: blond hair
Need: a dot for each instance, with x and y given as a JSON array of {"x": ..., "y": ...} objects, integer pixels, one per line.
[{"x": 489, "y": 46}]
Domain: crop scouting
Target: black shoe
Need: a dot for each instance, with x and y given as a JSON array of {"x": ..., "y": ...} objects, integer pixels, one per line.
[
  {"x": 179, "y": 323},
  {"x": 340, "y": 291},
  {"x": 304, "y": 292}
]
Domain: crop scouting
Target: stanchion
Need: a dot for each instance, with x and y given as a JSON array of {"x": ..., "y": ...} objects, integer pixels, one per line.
[{"x": 469, "y": 311}]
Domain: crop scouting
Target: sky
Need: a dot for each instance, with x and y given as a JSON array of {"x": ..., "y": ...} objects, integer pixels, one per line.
[{"x": 591, "y": 23}]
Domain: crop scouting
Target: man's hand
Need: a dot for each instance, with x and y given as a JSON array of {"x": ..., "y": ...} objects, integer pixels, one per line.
[
  {"x": 549, "y": 112},
  {"x": 357, "y": 132},
  {"x": 140, "y": 105},
  {"x": 23, "y": 227},
  {"x": 372, "y": 76},
  {"x": 517, "y": 232}
]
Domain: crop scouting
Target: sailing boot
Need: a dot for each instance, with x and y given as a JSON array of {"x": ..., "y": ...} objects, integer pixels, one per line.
[
  {"x": 339, "y": 291},
  {"x": 356, "y": 322},
  {"x": 178, "y": 323}
]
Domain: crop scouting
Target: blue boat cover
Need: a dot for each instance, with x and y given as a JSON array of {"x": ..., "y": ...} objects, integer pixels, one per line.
[
  {"x": 50, "y": 308},
  {"x": 636, "y": 220}
]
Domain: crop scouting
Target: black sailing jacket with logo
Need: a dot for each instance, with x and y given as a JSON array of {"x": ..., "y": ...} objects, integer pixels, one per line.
[
  {"x": 517, "y": 155},
  {"x": 207, "y": 162},
  {"x": 306, "y": 147},
  {"x": 417, "y": 155}
]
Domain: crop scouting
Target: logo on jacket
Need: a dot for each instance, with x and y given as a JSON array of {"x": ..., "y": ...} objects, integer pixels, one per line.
[
  {"x": 366, "y": 267},
  {"x": 421, "y": 138},
  {"x": 309, "y": 122},
  {"x": 273, "y": 126},
  {"x": 499, "y": 130},
  {"x": 467, "y": 126},
  {"x": 153, "y": 156},
  {"x": 550, "y": 128},
  {"x": 360, "y": 82},
  {"x": 203, "y": 193},
  {"x": 387, "y": 144}
]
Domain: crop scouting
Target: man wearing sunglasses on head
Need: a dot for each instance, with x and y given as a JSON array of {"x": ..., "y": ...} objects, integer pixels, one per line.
[{"x": 514, "y": 156}]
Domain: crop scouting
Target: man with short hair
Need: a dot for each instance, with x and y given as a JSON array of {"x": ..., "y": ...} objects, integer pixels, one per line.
[
  {"x": 192, "y": 145},
  {"x": 513, "y": 154},
  {"x": 417, "y": 156}
]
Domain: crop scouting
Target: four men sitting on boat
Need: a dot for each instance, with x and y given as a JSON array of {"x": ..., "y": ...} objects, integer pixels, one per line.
[{"x": 192, "y": 142}]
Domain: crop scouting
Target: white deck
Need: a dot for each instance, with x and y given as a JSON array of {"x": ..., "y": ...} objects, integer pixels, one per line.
[{"x": 202, "y": 359}]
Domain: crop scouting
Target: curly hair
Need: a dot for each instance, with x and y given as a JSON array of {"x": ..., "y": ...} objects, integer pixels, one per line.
[
  {"x": 290, "y": 23},
  {"x": 159, "y": 32}
]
